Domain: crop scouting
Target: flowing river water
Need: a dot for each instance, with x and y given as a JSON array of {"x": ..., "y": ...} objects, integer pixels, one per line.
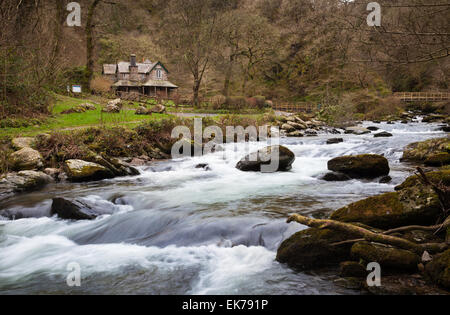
[{"x": 176, "y": 229}]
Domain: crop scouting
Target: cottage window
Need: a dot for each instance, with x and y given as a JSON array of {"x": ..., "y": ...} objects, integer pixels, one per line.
[{"x": 159, "y": 74}]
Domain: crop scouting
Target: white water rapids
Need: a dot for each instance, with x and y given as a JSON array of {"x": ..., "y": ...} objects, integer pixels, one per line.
[{"x": 176, "y": 229}]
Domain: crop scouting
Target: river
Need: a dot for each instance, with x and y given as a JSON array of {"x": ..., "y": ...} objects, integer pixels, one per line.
[{"x": 176, "y": 229}]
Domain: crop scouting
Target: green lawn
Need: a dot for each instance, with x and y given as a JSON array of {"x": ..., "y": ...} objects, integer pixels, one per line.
[{"x": 61, "y": 122}]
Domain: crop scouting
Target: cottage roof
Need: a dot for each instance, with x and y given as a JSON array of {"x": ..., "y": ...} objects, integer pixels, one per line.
[
  {"x": 124, "y": 67},
  {"x": 157, "y": 83},
  {"x": 109, "y": 69}
]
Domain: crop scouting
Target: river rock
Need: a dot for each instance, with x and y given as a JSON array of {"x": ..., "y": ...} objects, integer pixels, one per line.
[
  {"x": 287, "y": 128},
  {"x": 336, "y": 177},
  {"x": 438, "y": 159},
  {"x": 295, "y": 133},
  {"x": 373, "y": 128},
  {"x": 79, "y": 170},
  {"x": 387, "y": 256},
  {"x": 311, "y": 248},
  {"x": 297, "y": 126},
  {"x": 352, "y": 269},
  {"x": 73, "y": 210},
  {"x": 412, "y": 204},
  {"x": 434, "y": 118},
  {"x": 26, "y": 159},
  {"x": 22, "y": 142},
  {"x": 255, "y": 160},
  {"x": 383, "y": 134},
  {"x": 335, "y": 140},
  {"x": 360, "y": 166},
  {"x": 23, "y": 181},
  {"x": 420, "y": 151},
  {"x": 438, "y": 270},
  {"x": 356, "y": 130}
]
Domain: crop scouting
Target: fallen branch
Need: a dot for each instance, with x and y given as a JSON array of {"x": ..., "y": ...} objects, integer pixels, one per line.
[{"x": 369, "y": 235}]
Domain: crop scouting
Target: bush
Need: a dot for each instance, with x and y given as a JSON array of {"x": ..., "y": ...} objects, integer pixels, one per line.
[
  {"x": 218, "y": 101},
  {"x": 101, "y": 85},
  {"x": 236, "y": 102}
]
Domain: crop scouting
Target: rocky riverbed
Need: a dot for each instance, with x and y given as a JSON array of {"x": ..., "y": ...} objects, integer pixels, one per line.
[{"x": 201, "y": 226}]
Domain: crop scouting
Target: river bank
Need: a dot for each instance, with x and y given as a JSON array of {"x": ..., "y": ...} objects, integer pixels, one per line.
[{"x": 178, "y": 229}]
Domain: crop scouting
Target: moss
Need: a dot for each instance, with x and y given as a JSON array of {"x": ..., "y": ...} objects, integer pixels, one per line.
[
  {"x": 387, "y": 256},
  {"x": 420, "y": 151},
  {"x": 365, "y": 165},
  {"x": 389, "y": 210},
  {"x": 438, "y": 270},
  {"x": 439, "y": 159},
  {"x": 441, "y": 176},
  {"x": 311, "y": 248}
]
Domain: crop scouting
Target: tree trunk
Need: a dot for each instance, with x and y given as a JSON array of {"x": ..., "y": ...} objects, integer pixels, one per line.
[
  {"x": 90, "y": 43},
  {"x": 228, "y": 74},
  {"x": 196, "y": 89}
]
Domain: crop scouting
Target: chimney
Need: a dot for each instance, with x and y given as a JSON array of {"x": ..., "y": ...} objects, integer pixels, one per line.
[{"x": 133, "y": 60}]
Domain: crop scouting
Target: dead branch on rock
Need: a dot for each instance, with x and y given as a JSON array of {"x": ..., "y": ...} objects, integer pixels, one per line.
[{"x": 369, "y": 235}]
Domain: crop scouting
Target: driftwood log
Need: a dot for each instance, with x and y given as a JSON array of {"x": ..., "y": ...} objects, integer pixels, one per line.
[{"x": 370, "y": 236}]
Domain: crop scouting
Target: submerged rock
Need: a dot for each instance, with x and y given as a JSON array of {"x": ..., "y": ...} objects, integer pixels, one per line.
[
  {"x": 311, "y": 248},
  {"x": 373, "y": 128},
  {"x": 254, "y": 161},
  {"x": 79, "y": 170},
  {"x": 26, "y": 159},
  {"x": 387, "y": 256},
  {"x": 383, "y": 134},
  {"x": 335, "y": 140},
  {"x": 336, "y": 177},
  {"x": 360, "y": 166}
]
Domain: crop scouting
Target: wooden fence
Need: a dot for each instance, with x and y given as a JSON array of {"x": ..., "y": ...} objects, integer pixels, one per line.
[
  {"x": 295, "y": 108},
  {"x": 422, "y": 96}
]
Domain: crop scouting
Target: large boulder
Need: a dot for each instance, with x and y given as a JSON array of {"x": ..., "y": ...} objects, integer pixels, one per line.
[
  {"x": 117, "y": 102},
  {"x": 387, "y": 256},
  {"x": 254, "y": 161},
  {"x": 288, "y": 128},
  {"x": 79, "y": 171},
  {"x": 73, "y": 209},
  {"x": 26, "y": 159},
  {"x": 413, "y": 204},
  {"x": 335, "y": 140},
  {"x": 438, "y": 159},
  {"x": 24, "y": 181},
  {"x": 421, "y": 151},
  {"x": 383, "y": 134},
  {"x": 438, "y": 270},
  {"x": 311, "y": 248},
  {"x": 360, "y": 166}
]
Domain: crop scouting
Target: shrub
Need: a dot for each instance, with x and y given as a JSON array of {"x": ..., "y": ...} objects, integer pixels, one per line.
[
  {"x": 218, "y": 101},
  {"x": 236, "y": 102},
  {"x": 101, "y": 85}
]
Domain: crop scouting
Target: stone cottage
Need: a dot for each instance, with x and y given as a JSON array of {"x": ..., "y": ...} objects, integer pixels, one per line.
[{"x": 146, "y": 78}]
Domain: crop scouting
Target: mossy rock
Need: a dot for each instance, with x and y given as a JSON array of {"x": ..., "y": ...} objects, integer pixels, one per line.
[
  {"x": 255, "y": 161},
  {"x": 79, "y": 171},
  {"x": 26, "y": 159},
  {"x": 352, "y": 269},
  {"x": 311, "y": 248},
  {"x": 441, "y": 176},
  {"x": 421, "y": 151},
  {"x": 438, "y": 270},
  {"x": 439, "y": 159},
  {"x": 387, "y": 256},
  {"x": 415, "y": 205},
  {"x": 360, "y": 166}
]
